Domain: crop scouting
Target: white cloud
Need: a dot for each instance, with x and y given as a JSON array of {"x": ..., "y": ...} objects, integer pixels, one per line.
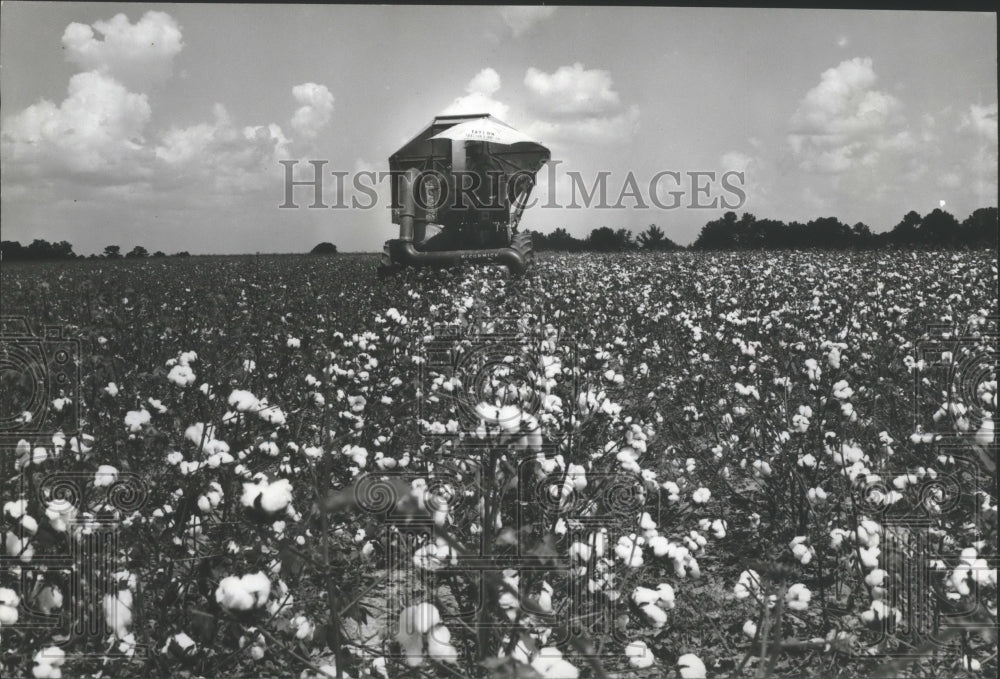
[
  {"x": 586, "y": 130},
  {"x": 479, "y": 97},
  {"x": 735, "y": 161},
  {"x": 843, "y": 41},
  {"x": 845, "y": 123},
  {"x": 521, "y": 19},
  {"x": 577, "y": 105},
  {"x": 96, "y": 132},
  {"x": 315, "y": 110},
  {"x": 221, "y": 155},
  {"x": 98, "y": 136},
  {"x": 982, "y": 120},
  {"x": 487, "y": 81},
  {"x": 137, "y": 55},
  {"x": 572, "y": 91}
]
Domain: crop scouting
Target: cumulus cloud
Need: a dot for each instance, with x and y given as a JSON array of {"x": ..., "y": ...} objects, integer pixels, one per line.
[
  {"x": 572, "y": 91},
  {"x": 522, "y": 19},
  {"x": 574, "y": 104},
  {"x": 220, "y": 154},
  {"x": 98, "y": 135},
  {"x": 479, "y": 96},
  {"x": 587, "y": 129},
  {"x": 982, "y": 120},
  {"x": 845, "y": 123},
  {"x": 137, "y": 55},
  {"x": 315, "y": 111},
  {"x": 96, "y": 132}
]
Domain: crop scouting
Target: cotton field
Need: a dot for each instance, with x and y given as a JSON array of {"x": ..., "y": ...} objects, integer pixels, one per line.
[{"x": 632, "y": 465}]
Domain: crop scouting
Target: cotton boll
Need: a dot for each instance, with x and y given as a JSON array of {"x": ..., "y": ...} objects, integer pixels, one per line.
[
  {"x": 276, "y": 496},
  {"x": 243, "y": 401},
  {"x": 639, "y": 655},
  {"x": 50, "y": 598},
  {"x": 644, "y": 595},
  {"x": 439, "y": 646},
  {"x": 9, "y": 601},
  {"x": 690, "y": 666},
  {"x": 105, "y": 476}
]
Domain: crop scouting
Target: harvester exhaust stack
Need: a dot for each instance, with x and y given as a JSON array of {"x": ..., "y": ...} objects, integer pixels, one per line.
[{"x": 459, "y": 190}]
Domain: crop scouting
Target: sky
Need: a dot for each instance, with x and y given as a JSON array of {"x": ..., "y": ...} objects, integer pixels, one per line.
[{"x": 163, "y": 125}]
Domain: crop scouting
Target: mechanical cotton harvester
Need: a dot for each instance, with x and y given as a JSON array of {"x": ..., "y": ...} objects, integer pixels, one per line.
[{"x": 459, "y": 189}]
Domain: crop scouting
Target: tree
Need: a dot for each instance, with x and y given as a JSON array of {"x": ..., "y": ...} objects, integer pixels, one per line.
[
  {"x": 653, "y": 238},
  {"x": 324, "y": 249},
  {"x": 561, "y": 239},
  {"x": 113, "y": 251},
  {"x": 905, "y": 233},
  {"x": 605, "y": 239},
  {"x": 980, "y": 229},
  {"x": 159, "y": 253},
  {"x": 718, "y": 234},
  {"x": 938, "y": 228},
  {"x": 137, "y": 252}
]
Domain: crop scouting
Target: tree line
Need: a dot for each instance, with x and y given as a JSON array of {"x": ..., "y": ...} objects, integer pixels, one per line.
[
  {"x": 937, "y": 229},
  {"x": 42, "y": 250}
]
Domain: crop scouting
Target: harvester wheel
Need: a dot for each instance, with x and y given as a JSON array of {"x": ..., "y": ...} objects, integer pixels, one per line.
[
  {"x": 522, "y": 243},
  {"x": 386, "y": 267}
]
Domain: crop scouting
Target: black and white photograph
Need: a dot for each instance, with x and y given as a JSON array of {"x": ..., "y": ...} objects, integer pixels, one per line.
[{"x": 346, "y": 341}]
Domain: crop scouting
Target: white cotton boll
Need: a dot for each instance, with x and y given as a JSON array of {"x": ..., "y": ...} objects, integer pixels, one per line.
[
  {"x": 105, "y": 476},
  {"x": 748, "y": 585},
  {"x": 549, "y": 663},
  {"x": 579, "y": 551},
  {"x": 118, "y": 612},
  {"x": 272, "y": 415},
  {"x": 719, "y": 528},
  {"x": 9, "y": 601},
  {"x": 243, "y": 401},
  {"x": 690, "y": 666},
  {"x": 750, "y": 629},
  {"x": 986, "y": 433},
  {"x": 869, "y": 556},
  {"x": 420, "y": 618},
  {"x": 181, "y": 375},
  {"x": 666, "y": 595},
  {"x": 876, "y": 578},
  {"x": 233, "y": 595},
  {"x": 276, "y": 496},
  {"x": 258, "y": 586},
  {"x": 439, "y": 645},
  {"x": 544, "y": 600},
  {"x": 135, "y": 419},
  {"x": 639, "y": 655},
  {"x": 657, "y": 615},
  {"x": 111, "y": 390},
  {"x": 644, "y": 595},
  {"x": 49, "y": 599},
  {"x": 660, "y": 545},
  {"x": 701, "y": 496},
  {"x": 797, "y": 597}
]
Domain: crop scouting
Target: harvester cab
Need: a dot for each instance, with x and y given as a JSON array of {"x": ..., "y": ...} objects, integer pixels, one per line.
[{"x": 459, "y": 189}]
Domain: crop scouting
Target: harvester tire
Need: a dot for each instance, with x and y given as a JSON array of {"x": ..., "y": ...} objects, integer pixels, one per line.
[
  {"x": 386, "y": 267},
  {"x": 522, "y": 243}
]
